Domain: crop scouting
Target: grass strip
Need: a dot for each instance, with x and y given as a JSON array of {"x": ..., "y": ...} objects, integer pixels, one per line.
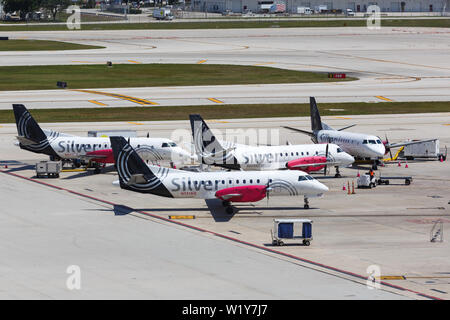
[{"x": 225, "y": 111}]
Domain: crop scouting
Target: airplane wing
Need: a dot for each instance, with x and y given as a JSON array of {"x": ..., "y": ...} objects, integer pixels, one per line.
[
  {"x": 230, "y": 195},
  {"x": 314, "y": 164},
  {"x": 402, "y": 144},
  {"x": 93, "y": 156},
  {"x": 309, "y": 133}
]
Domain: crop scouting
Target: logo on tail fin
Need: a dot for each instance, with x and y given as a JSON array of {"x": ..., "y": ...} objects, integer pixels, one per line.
[
  {"x": 208, "y": 148},
  {"x": 316, "y": 122},
  {"x": 134, "y": 174},
  {"x": 30, "y": 135}
]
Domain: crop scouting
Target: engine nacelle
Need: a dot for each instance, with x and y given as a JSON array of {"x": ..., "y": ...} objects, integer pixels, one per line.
[
  {"x": 105, "y": 156},
  {"x": 242, "y": 194},
  {"x": 297, "y": 164}
]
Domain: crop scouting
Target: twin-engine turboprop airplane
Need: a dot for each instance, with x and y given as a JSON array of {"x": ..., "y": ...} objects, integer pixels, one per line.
[
  {"x": 97, "y": 150},
  {"x": 305, "y": 157},
  {"x": 228, "y": 186},
  {"x": 360, "y": 145}
]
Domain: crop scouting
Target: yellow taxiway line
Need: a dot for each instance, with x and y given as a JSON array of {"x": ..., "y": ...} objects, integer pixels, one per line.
[
  {"x": 215, "y": 100},
  {"x": 97, "y": 102},
  {"x": 383, "y": 98},
  {"x": 119, "y": 96}
]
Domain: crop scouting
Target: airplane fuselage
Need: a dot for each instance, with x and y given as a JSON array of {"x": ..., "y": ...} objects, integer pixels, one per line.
[
  {"x": 204, "y": 185},
  {"x": 150, "y": 149},
  {"x": 277, "y": 157},
  {"x": 357, "y": 144}
]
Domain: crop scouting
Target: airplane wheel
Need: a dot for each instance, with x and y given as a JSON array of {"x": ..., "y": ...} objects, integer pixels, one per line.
[
  {"x": 337, "y": 175},
  {"x": 306, "y": 206},
  {"x": 97, "y": 170},
  {"x": 229, "y": 210},
  {"x": 306, "y": 242}
]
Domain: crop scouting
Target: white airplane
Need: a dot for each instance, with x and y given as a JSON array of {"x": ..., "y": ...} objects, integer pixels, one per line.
[
  {"x": 228, "y": 186},
  {"x": 88, "y": 149},
  {"x": 305, "y": 157},
  {"x": 360, "y": 145}
]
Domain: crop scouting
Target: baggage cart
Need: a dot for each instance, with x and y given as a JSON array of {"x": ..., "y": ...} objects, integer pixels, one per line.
[{"x": 291, "y": 229}]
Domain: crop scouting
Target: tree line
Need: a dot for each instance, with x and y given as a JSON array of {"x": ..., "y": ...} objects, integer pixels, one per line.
[{"x": 26, "y": 7}]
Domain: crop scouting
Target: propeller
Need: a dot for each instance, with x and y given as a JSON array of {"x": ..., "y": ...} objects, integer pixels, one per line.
[
  {"x": 268, "y": 189},
  {"x": 387, "y": 142},
  {"x": 326, "y": 159}
]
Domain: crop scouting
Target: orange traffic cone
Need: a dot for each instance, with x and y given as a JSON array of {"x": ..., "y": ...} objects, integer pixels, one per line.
[
  {"x": 343, "y": 187},
  {"x": 358, "y": 175},
  {"x": 406, "y": 165},
  {"x": 399, "y": 164},
  {"x": 353, "y": 187},
  {"x": 348, "y": 187}
]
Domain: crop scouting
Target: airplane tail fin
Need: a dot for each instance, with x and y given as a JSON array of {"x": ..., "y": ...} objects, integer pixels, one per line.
[
  {"x": 208, "y": 148},
  {"x": 316, "y": 122},
  {"x": 30, "y": 135},
  {"x": 134, "y": 174}
]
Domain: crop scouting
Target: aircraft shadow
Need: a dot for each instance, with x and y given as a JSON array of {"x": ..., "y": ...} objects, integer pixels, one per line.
[
  {"x": 296, "y": 244},
  {"x": 23, "y": 168},
  {"x": 218, "y": 210},
  {"x": 214, "y": 206}
]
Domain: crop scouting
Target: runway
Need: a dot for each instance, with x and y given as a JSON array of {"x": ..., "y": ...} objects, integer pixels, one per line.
[{"x": 398, "y": 64}]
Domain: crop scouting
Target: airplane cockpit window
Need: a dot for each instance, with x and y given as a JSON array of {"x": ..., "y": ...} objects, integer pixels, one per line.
[
  {"x": 339, "y": 150},
  {"x": 364, "y": 141},
  {"x": 172, "y": 144},
  {"x": 309, "y": 177},
  {"x": 165, "y": 145},
  {"x": 301, "y": 178},
  {"x": 372, "y": 142},
  {"x": 379, "y": 142}
]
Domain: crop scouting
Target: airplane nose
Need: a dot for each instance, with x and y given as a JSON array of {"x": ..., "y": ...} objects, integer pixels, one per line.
[
  {"x": 376, "y": 151},
  {"x": 321, "y": 187},
  {"x": 348, "y": 159},
  {"x": 379, "y": 150}
]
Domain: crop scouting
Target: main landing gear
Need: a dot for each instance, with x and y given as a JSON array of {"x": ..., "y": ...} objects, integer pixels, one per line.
[
  {"x": 306, "y": 205},
  {"x": 228, "y": 208},
  {"x": 375, "y": 164},
  {"x": 338, "y": 174}
]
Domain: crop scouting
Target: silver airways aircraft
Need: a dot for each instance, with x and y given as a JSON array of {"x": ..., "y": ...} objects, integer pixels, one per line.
[
  {"x": 228, "y": 186},
  {"x": 360, "y": 145},
  {"x": 97, "y": 150},
  {"x": 305, "y": 157}
]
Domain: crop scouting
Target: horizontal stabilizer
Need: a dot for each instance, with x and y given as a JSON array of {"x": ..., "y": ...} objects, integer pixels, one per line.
[
  {"x": 137, "y": 179},
  {"x": 26, "y": 141},
  {"x": 309, "y": 133},
  {"x": 345, "y": 128}
]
